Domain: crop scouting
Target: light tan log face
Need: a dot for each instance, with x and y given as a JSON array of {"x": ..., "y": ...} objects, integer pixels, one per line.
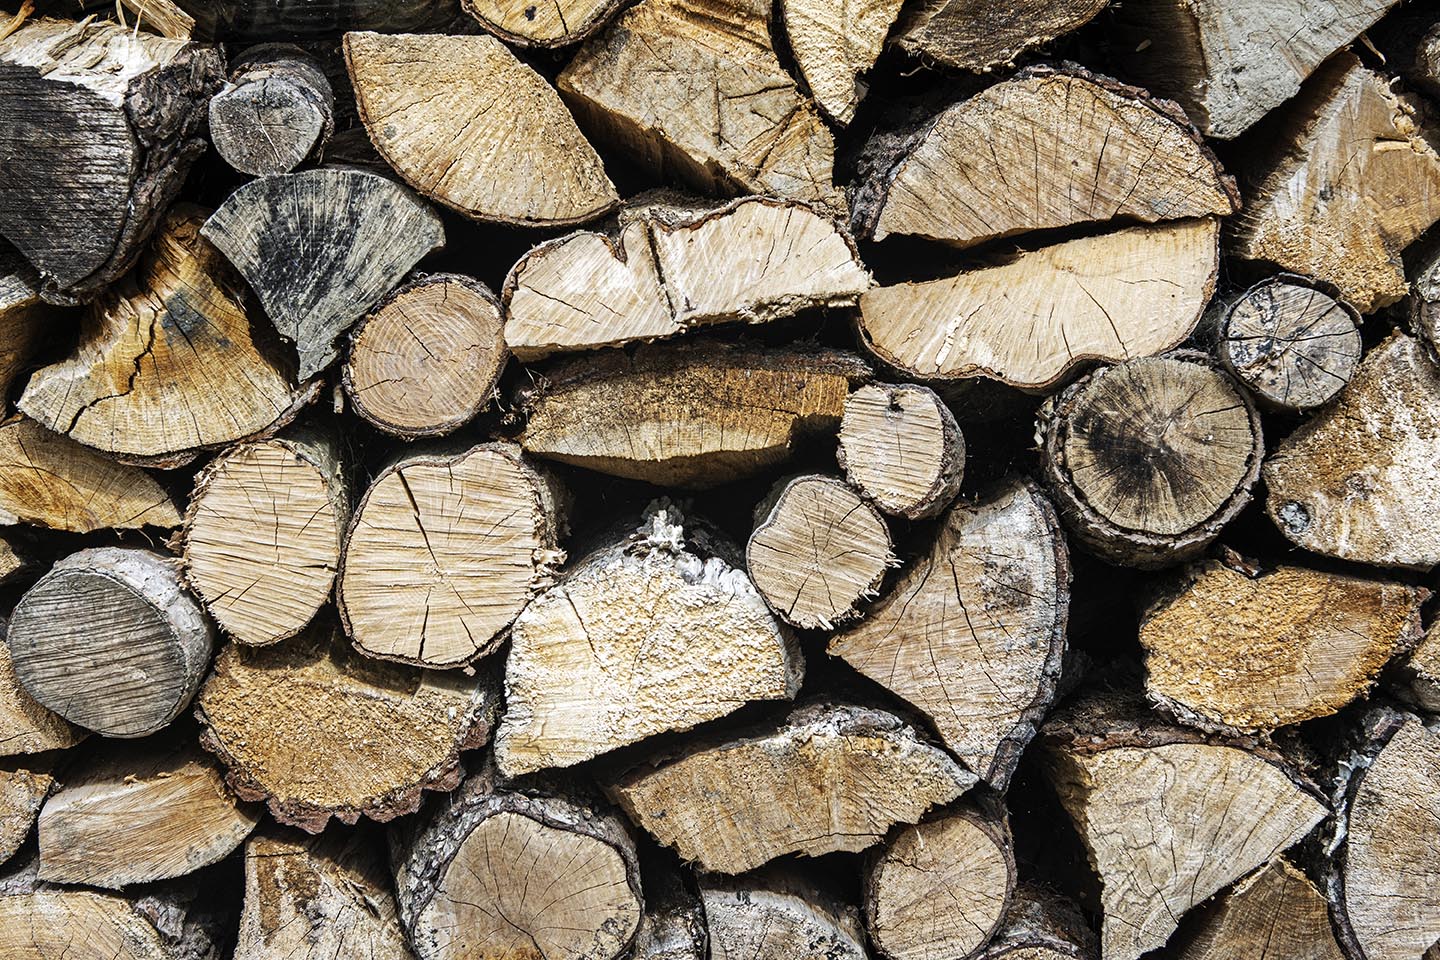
[
  {"x": 777, "y": 914},
  {"x": 1276, "y": 908},
  {"x": 901, "y": 447},
  {"x": 551, "y": 24},
  {"x": 977, "y": 35}
]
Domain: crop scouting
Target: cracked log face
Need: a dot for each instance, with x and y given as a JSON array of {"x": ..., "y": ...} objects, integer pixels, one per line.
[
  {"x": 977, "y": 35},
  {"x": 650, "y": 634},
  {"x": 973, "y": 634},
  {"x": 834, "y": 44},
  {"x": 469, "y": 125},
  {"x": 276, "y": 110},
  {"x": 778, "y": 914},
  {"x": 1276, "y": 909},
  {"x": 902, "y": 449},
  {"x": 543, "y": 23},
  {"x": 1031, "y": 321},
  {"x": 315, "y": 730},
  {"x": 826, "y": 777},
  {"x": 44, "y": 921},
  {"x": 444, "y": 551}
]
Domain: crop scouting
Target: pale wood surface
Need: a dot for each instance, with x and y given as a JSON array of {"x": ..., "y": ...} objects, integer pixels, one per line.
[
  {"x": 778, "y": 915},
  {"x": 553, "y": 24},
  {"x": 901, "y": 447},
  {"x": 21, "y": 794},
  {"x": 834, "y": 45},
  {"x": 1277, "y": 910}
]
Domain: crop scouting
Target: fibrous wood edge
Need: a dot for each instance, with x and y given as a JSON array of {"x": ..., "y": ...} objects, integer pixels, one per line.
[
  {"x": 22, "y": 792},
  {"x": 1276, "y": 907},
  {"x": 276, "y": 109},
  {"x": 1419, "y": 680},
  {"x": 834, "y": 46},
  {"x": 25, "y": 726},
  {"x": 1425, "y": 298},
  {"x": 545, "y": 26},
  {"x": 162, "y": 17},
  {"x": 24, "y": 317},
  {"x": 779, "y": 914},
  {"x": 901, "y": 447},
  {"x": 979, "y": 35},
  {"x": 1042, "y": 924}
]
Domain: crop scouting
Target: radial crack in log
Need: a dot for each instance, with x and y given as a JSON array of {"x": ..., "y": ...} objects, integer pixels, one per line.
[
  {"x": 834, "y": 45},
  {"x": 1277, "y": 908},
  {"x": 778, "y": 914},
  {"x": 276, "y": 110},
  {"x": 978, "y": 35},
  {"x": 901, "y": 447}
]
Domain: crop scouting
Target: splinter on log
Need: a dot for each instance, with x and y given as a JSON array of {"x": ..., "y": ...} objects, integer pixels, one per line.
[
  {"x": 978, "y": 35},
  {"x": 778, "y": 914},
  {"x": 1356, "y": 480},
  {"x": 21, "y": 794},
  {"x": 470, "y": 125},
  {"x": 970, "y": 173},
  {"x": 445, "y": 550},
  {"x": 24, "y": 318},
  {"x": 818, "y": 551},
  {"x": 112, "y": 119},
  {"x": 695, "y": 415},
  {"x": 1236, "y": 650},
  {"x": 321, "y": 247},
  {"x": 556, "y": 23},
  {"x": 973, "y": 634},
  {"x": 110, "y": 640},
  {"x": 316, "y": 730},
  {"x": 276, "y": 110},
  {"x": 263, "y": 533},
  {"x": 25, "y": 726},
  {"x": 1148, "y": 460},
  {"x": 834, "y": 44},
  {"x": 825, "y": 777},
  {"x": 902, "y": 449},
  {"x": 1168, "y": 817},
  {"x": 656, "y": 632},
  {"x": 1043, "y": 925},
  {"x": 314, "y": 19},
  {"x": 509, "y": 873},
  {"x": 1276, "y": 908},
  {"x": 140, "y": 814},
  {"x": 426, "y": 359},
  {"x": 941, "y": 888},
  {"x": 162, "y": 17}
]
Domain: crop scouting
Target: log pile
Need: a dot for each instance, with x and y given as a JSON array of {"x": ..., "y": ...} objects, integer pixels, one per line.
[{"x": 719, "y": 480}]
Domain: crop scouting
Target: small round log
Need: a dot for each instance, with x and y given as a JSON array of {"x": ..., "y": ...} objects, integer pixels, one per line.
[
  {"x": 276, "y": 110},
  {"x": 901, "y": 447}
]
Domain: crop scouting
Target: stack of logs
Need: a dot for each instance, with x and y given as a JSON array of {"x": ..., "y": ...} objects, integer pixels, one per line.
[{"x": 904, "y": 479}]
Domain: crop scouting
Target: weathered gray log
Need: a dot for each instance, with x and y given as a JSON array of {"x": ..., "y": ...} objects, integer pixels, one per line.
[{"x": 276, "y": 110}]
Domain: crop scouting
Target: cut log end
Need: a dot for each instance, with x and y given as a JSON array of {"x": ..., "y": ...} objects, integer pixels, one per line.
[
  {"x": 777, "y": 914},
  {"x": 277, "y": 110},
  {"x": 901, "y": 447},
  {"x": 556, "y": 23},
  {"x": 1276, "y": 905},
  {"x": 979, "y": 35}
]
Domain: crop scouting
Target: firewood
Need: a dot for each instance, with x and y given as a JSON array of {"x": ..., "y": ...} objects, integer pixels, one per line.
[
  {"x": 693, "y": 88},
  {"x": 1420, "y": 675},
  {"x": 167, "y": 363},
  {"x": 673, "y": 925},
  {"x": 818, "y": 551},
  {"x": 276, "y": 109},
  {"x": 21, "y": 794},
  {"x": 1041, "y": 925},
  {"x": 444, "y": 551},
  {"x": 138, "y": 814},
  {"x": 125, "y": 112},
  {"x": 978, "y": 35},
  {"x": 162, "y": 17},
  {"x": 49, "y": 480},
  {"x": 778, "y": 915},
  {"x": 833, "y": 45},
  {"x": 25, "y": 726},
  {"x": 657, "y": 277},
  {"x": 263, "y": 533},
  {"x": 318, "y": 898},
  {"x": 1348, "y": 182},
  {"x": 1276, "y": 906},
  {"x": 1132, "y": 157},
  {"x": 1168, "y": 818},
  {"x": 1220, "y": 60},
  {"x": 426, "y": 359},
  {"x": 110, "y": 640},
  {"x": 941, "y": 888},
  {"x": 1425, "y": 299},
  {"x": 545, "y": 26},
  {"x": 696, "y": 414},
  {"x": 1354, "y": 480},
  {"x": 1241, "y": 651},
  {"x": 313, "y": 19},
  {"x": 1031, "y": 321},
  {"x": 24, "y": 318},
  {"x": 15, "y": 556},
  {"x": 315, "y": 730},
  {"x": 902, "y": 449},
  {"x": 321, "y": 247},
  {"x": 826, "y": 777},
  {"x": 1148, "y": 460},
  {"x": 657, "y": 631},
  {"x": 508, "y": 873},
  {"x": 973, "y": 634}
]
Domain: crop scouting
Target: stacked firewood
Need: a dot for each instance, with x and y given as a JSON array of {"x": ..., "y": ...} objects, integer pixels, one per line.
[{"x": 908, "y": 479}]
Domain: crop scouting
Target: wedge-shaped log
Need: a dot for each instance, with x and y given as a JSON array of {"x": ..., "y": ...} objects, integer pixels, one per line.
[
  {"x": 778, "y": 914},
  {"x": 834, "y": 45},
  {"x": 1276, "y": 906},
  {"x": 977, "y": 35}
]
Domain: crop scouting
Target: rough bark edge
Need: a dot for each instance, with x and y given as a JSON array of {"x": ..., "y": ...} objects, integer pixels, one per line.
[
  {"x": 946, "y": 488},
  {"x": 585, "y": 30},
  {"x": 1041, "y": 918}
]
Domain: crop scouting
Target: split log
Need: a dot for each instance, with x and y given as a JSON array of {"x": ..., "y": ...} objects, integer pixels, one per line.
[
  {"x": 312, "y": 19},
  {"x": 263, "y": 533},
  {"x": 657, "y": 277},
  {"x": 693, "y": 88},
  {"x": 321, "y": 247},
  {"x": 1420, "y": 674},
  {"x": 24, "y": 318},
  {"x": 546, "y": 26},
  {"x": 168, "y": 364},
  {"x": 1276, "y": 908},
  {"x": 426, "y": 359},
  {"x": 818, "y": 551},
  {"x": 136, "y": 814},
  {"x": 276, "y": 110},
  {"x": 655, "y": 632},
  {"x": 1349, "y": 181},
  {"x": 694, "y": 415},
  {"x": 902, "y": 449},
  {"x": 1042, "y": 925},
  {"x": 122, "y": 114},
  {"x": 973, "y": 634},
  {"x": 318, "y": 898},
  {"x": 16, "y": 556},
  {"x": 21, "y": 794},
  {"x": 1168, "y": 818},
  {"x": 1150, "y": 459},
  {"x": 471, "y": 126},
  {"x": 48, "y": 480},
  {"x": 162, "y": 17},
  {"x": 941, "y": 888},
  {"x": 834, "y": 45},
  {"x": 778, "y": 915},
  {"x": 25, "y": 726},
  {"x": 110, "y": 640},
  {"x": 979, "y": 35},
  {"x": 1030, "y": 322},
  {"x": 1240, "y": 651},
  {"x": 445, "y": 550},
  {"x": 1219, "y": 59},
  {"x": 1355, "y": 480},
  {"x": 971, "y": 172},
  {"x": 507, "y": 873},
  {"x": 317, "y": 731},
  {"x": 825, "y": 777}
]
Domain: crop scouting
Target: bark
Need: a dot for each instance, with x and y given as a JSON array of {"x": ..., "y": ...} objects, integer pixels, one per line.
[
  {"x": 1276, "y": 908},
  {"x": 1042, "y": 925},
  {"x": 1425, "y": 298},
  {"x": 276, "y": 110},
  {"x": 979, "y": 35},
  {"x": 834, "y": 46},
  {"x": 901, "y": 447},
  {"x": 777, "y": 914}
]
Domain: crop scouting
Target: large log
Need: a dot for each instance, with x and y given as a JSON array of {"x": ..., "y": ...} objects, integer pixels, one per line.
[
  {"x": 276, "y": 110},
  {"x": 778, "y": 914}
]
